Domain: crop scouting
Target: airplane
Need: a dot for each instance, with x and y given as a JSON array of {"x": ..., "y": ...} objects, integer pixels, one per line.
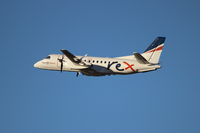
[{"x": 101, "y": 66}]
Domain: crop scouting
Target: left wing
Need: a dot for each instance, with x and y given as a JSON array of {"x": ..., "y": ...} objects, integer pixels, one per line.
[
  {"x": 73, "y": 58},
  {"x": 87, "y": 69}
]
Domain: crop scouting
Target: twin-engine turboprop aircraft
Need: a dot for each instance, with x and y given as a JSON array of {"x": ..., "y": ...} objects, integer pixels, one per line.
[{"x": 100, "y": 66}]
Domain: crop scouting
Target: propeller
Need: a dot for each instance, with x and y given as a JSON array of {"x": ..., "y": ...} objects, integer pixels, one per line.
[
  {"x": 77, "y": 74},
  {"x": 61, "y": 63}
]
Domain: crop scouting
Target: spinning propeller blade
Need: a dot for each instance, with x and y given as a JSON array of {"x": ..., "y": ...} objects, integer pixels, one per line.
[{"x": 61, "y": 63}]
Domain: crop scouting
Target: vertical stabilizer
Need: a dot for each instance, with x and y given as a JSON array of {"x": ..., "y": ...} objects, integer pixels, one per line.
[{"x": 153, "y": 52}]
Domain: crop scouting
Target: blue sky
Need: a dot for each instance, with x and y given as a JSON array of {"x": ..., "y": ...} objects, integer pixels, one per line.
[{"x": 38, "y": 101}]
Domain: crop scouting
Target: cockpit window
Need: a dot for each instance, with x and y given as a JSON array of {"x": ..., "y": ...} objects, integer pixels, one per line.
[{"x": 48, "y": 57}]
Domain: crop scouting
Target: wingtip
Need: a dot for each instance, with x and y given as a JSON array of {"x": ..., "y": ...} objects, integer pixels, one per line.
[{"x": 64, "y": 50}]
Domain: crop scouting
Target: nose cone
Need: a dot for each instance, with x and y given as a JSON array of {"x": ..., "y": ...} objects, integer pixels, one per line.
[{"x": 36, "y": 65}]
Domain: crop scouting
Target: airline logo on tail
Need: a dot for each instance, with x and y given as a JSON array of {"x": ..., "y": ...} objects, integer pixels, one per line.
[
  {"x": 153, "y": 52},
  {"x": 156, "y": 49},
  {"x": 156, "y": 45}
]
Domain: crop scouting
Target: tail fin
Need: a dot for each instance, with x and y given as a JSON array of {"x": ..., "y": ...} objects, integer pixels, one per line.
[{"x": 153, "y": 52}]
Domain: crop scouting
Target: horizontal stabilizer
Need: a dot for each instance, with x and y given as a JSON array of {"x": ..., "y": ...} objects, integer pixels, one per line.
[{"x": 140, "y": 58}]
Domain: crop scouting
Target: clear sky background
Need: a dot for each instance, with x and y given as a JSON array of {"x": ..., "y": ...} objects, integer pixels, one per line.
[{"x": 39, "y": 101}]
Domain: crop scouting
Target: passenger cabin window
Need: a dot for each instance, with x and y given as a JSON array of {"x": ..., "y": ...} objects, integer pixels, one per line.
[
  {"x": 105, "y": 62},
  {"x": 101, "y": 62},
  {"x": 97, "y": 61},
  {"x": 48, "y": 57}
]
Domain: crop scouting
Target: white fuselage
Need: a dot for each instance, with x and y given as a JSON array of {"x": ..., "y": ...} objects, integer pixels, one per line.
[{"x": 98, "y": 65}]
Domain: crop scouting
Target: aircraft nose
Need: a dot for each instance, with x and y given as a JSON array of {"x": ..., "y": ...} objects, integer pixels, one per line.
[{"x": 36, "y": 65}]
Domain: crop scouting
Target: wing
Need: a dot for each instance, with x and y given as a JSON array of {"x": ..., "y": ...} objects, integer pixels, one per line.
[
  {"x": 73, "y": 58},
  {"x": 87, "y": 69}
]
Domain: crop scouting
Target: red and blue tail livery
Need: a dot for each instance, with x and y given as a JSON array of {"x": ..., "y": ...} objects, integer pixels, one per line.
[
  {"x": 153, "y": 52},
  {"x": 155, "y": 44}
]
